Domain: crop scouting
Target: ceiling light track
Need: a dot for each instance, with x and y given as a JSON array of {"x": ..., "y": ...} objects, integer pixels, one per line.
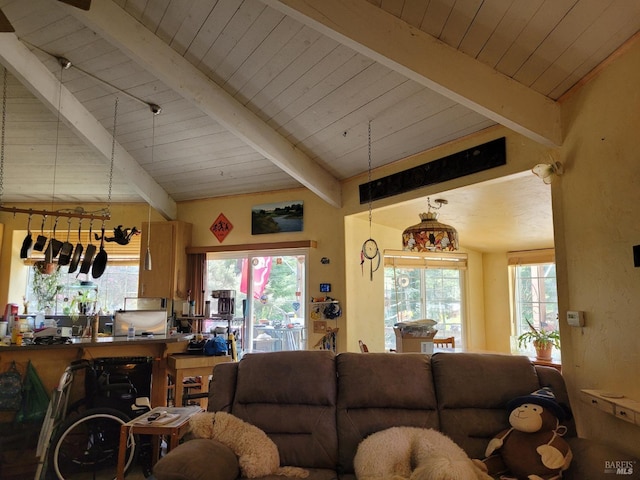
[{"x": 66, "y": 64}]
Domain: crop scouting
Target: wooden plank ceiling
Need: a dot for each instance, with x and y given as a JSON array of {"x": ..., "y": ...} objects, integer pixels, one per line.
[{"x": 266, "y": 95}]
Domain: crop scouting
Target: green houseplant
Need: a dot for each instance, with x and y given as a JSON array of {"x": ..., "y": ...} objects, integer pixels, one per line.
[
  {"x": 81, "y": 303},
  {"x": 46, "y": 285},
  {"x": 543, "y": 341}
]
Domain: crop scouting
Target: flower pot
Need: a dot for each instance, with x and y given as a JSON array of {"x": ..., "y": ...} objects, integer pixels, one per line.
[
  {"x": 543, "y": 351},
  {"x": 45, "y": 268}
]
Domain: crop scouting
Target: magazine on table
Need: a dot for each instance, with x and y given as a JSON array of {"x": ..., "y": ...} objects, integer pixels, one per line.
[{"x": 166, "y": 415}]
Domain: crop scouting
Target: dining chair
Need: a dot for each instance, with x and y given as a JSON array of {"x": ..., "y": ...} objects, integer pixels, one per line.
[{"x": 449, "y": 342}]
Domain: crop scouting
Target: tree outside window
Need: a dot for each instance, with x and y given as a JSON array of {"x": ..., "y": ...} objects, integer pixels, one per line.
[{"x": 536, "y": 297}]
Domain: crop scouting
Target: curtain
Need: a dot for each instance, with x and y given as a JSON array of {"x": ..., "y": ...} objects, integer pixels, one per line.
[{"x": 197, "y": 279}]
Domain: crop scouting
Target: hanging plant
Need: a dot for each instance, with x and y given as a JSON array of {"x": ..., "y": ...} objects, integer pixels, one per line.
[{"x": 46, "y": 284}]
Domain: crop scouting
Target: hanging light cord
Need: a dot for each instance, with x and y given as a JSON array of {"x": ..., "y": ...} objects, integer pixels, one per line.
[
  {"x": 4, "y": 118},
  {"x": 55, "y": 162},
  {"x": 113, "y": 150},
  {"x": 153, "y": 144},
  {"x": 369, "y": 177}
]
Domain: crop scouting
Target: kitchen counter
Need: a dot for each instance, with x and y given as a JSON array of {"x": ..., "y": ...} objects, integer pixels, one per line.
[
  {"x": 101, "y": 342},
  {"x": 51, "y": 360}
]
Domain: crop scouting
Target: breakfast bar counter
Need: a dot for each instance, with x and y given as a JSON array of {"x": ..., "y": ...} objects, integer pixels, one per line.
[{"x": 51, "y": 360}]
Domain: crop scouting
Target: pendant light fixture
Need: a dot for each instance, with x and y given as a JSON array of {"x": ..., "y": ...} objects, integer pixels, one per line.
[
  {"x": 430, "y": 235},
  {"x": 155, "y": 110}
]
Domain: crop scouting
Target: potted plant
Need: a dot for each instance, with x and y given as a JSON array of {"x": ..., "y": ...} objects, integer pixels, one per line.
[
  {"x": 82, "y": 303},
  {"x": 543, "y": 341}
]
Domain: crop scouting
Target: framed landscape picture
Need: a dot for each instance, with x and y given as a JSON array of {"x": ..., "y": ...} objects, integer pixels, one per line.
[{"x": 277, "y": 217}]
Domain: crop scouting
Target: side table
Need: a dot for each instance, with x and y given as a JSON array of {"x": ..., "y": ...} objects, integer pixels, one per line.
[{"x": 173, "y": 430}]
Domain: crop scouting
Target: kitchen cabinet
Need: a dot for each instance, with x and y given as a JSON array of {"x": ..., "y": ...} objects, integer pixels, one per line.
[{"x": 168, "y": 276}]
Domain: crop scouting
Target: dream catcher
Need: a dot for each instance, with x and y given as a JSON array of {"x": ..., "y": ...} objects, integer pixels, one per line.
[{"x": 370, "y": 249}]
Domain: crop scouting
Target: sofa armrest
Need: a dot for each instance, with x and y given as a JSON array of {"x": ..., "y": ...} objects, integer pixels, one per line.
[
  {"x": 198, "y": 459},
  {"x": 592, "y": 459}
]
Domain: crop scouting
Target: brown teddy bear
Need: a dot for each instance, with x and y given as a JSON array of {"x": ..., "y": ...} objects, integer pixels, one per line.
[{"x": 533, "y": 448}]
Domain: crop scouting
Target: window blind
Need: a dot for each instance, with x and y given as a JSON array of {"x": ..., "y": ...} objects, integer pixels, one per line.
[
  {"x": 530, "y": 257},
  {"x": 122, "y": 254},
  {"x": 405, "y": 259}
]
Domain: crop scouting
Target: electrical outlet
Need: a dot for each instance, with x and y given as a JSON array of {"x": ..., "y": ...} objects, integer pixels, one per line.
[{"x": 575, "y": 319}]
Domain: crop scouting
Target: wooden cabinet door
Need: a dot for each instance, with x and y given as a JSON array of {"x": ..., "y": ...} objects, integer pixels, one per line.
[{"x": 159, "y": 281}]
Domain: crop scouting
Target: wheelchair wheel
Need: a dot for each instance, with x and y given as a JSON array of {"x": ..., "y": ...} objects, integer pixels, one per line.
[{"x": 86, "y": 446}]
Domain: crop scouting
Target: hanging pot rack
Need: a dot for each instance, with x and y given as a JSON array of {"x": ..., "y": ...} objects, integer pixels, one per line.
[{"x": 67, "y": 213}]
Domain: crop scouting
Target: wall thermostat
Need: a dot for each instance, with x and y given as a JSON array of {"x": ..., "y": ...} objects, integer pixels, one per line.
[{"x": 575, "y": 319}]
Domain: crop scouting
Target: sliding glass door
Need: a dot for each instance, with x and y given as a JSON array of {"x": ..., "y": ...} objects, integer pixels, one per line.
[{"x": 270, "y": 291}]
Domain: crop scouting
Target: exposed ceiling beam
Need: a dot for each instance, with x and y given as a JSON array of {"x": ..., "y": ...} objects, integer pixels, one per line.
[
  {"x": 142, "y": 46},
  {"x": 394, "y": 43},
  {"x": 32, "y": 73}
]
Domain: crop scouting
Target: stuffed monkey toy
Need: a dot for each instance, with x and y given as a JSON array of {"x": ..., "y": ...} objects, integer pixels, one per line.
[{"x": 533, "y": 448}]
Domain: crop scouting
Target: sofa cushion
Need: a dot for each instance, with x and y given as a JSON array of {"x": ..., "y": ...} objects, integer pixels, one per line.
[
  {"x": 291, "y": 396},
  {"x": 222, "y": 388},
  {"x": 473, "y": 390},
  {"x": 187, "y": 460},
  {"x": 378, "y": 391}
]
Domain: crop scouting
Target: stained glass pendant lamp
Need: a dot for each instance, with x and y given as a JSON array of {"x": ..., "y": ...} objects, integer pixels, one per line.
[{"x": 430, "y": 235}]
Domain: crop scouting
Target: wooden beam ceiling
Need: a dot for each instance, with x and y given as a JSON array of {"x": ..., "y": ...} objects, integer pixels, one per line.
[
  {"x": 132, "y": 38},
  {"x": 30, "y": 71},
  {"x": 394, "y": 43}
]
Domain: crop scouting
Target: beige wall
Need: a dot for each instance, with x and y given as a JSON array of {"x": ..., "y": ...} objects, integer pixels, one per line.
[
  {"x": 365, "y": 298},
  {"x": 322, "y": 223},
  {"x": 497, "y": 317},
  {"x": 597, "y": 221},
  {"x": 488, "y": 325}
]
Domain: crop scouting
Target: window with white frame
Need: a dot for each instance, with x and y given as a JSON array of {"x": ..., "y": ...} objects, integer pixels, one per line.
[
  {"x": 534, "y": 291},
  {"x": 425, "y": 285}
]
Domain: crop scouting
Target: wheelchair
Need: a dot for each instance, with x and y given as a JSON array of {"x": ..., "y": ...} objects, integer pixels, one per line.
[{"x": 80, "y": 439}]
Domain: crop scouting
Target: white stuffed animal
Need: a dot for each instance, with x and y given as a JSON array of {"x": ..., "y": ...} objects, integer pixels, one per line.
[
  {"x": 413, "y": 453},
  {"x": 257, "y": 454}
]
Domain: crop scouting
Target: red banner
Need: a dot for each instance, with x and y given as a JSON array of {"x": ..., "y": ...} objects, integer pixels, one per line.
[{"x": 261, "y": 271}]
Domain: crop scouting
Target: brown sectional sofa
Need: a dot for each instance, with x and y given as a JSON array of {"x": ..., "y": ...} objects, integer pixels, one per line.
[{"x": 318, "y": 406}]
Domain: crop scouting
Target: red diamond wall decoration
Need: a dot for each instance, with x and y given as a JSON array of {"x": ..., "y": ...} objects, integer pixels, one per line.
[{"x": 221, "y": 227}]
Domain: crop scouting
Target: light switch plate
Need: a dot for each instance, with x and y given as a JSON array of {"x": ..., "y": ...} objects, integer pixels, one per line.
[{"x": 575, "y": 318}]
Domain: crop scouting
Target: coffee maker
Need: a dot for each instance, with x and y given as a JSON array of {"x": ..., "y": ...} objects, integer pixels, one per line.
[{"x": 223, "y": 304}]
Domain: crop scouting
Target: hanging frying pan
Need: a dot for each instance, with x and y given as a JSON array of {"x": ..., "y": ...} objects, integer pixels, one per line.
[
  {"x": 41, "y": 241},
  {"x": 77, "y": 253},
  {"x": 100, "y": 262},
  {"x": 67, "y": 248},
  {"x": 89, "y": 253},
  {"x": 27, "y": 243},
  {"x": 54, "y": 246}
]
